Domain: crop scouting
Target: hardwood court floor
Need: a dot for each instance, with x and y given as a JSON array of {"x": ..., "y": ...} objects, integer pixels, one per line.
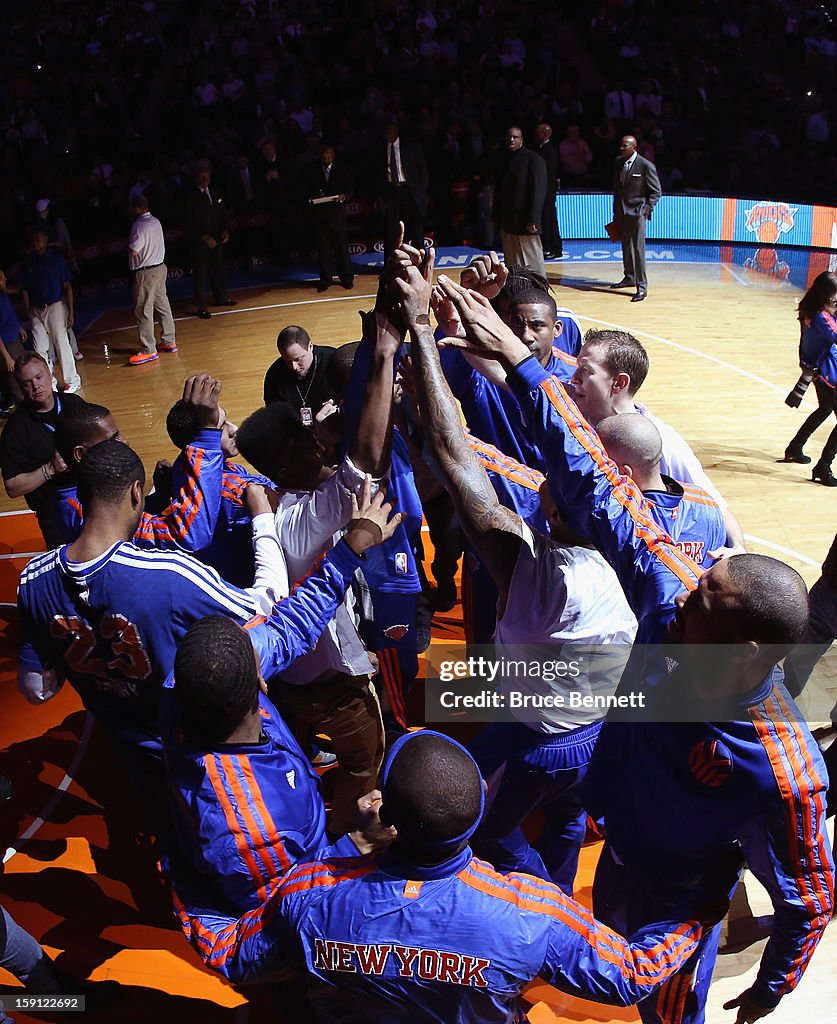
[{"x": 723, "y": 356}]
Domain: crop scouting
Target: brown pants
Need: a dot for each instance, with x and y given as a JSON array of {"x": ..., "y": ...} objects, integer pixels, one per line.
[{"x": 346, "y": 709}]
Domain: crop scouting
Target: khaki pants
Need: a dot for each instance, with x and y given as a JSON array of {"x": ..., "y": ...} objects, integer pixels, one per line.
[
  {"x": 523, "y": 251},
  {"x": 150, "y": 300},
  {"x": 346, "y": 709},
  {"x": 50, "y": 338}
]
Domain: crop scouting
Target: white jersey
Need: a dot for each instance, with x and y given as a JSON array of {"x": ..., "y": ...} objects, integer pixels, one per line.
[
  {"x": 679, "y": 461},
  {"x": 561, "y": 596}
]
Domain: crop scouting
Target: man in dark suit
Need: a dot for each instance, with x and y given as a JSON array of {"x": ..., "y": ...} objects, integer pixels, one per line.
[
  {"x": 519, "y": 198},
  {"x": 330, "y": 178},
  {"x": 404, "y": 195},
  {"x": 636, "y": 191},
  {"x": 207, "y": 229},
  {"x": 553, "y": 247}
]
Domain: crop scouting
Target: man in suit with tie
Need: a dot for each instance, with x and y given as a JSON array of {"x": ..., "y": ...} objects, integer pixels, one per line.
[
  {"x": 636, "y": 191},
  {"x": 404, "y": 197},
  {"x": 519, "y": 198},
  {"x": 553, "y": 247},
  {"x": 328, "y": 178},
  {"x": 207, "y": 228}
]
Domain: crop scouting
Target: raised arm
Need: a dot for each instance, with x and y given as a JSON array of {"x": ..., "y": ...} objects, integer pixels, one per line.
[
  {"x": 591, "y": 496},
  {"x": 494, "y": 530}
]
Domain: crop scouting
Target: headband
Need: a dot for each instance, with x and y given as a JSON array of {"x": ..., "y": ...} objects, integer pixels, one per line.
[{"x": 410, "y": 832}]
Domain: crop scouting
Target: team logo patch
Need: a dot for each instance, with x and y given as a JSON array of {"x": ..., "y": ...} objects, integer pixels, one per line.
[
  {"x": 396, "y": 632},
  {"x": 710, "y": 762},
  {"x": 401, "y": 563}
]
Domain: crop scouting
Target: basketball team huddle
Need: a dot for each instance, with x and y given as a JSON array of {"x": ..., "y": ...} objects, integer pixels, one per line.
[{"x": 217, "y": 625}]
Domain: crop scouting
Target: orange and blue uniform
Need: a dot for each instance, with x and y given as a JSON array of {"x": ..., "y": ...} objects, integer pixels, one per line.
[
  {"x": 382, "y": 938},
  {"x": 243, "y": 814},
  {"x": 755, "y": 785},
  {"x": 188, "y": 522}
]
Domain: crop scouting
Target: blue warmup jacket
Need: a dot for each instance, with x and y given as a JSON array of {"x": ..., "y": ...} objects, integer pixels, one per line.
[
  {"x": 818, "y": 346},
  {"x": 189, "y": 521},
  {"x": 112, "y": 626},
  {"x": 492, "y": 413},
  {"x": 758, "y": 781},
  {"x": 243, "y": 814},
  {"x": 388, "y": 941}
]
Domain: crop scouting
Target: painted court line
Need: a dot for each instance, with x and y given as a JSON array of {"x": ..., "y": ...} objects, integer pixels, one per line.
[
  {"x": 243, "y": 309},
  {"x": 61, "y": 788},
  {"x": 692, "y": 351}
]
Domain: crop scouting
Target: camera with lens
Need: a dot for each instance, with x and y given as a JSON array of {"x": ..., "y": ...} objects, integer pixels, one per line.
[{"x": 794, "y": 399}]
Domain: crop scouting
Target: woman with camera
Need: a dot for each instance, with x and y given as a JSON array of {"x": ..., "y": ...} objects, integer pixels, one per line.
[{"x": 818, "y": 353}]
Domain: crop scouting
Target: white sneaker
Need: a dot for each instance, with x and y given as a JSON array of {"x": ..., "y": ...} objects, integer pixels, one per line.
[{"x": 71, "y": 389}]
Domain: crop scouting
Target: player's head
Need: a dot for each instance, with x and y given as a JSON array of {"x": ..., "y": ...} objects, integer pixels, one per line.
[
  {"x": 182, "y": 425},
  {"x": 753, "y": 609},
  {"x": 80, "y": 428},
  {"x": 433, "y": 794},
  {"x": 635, "y": 445},
  {"x": 822, "y": 295},
  {"x": 140, "y": 205},
  {"x": 339, "y": 368},
  {"x": 612, "y": 366},
  {"x": 274, "y": 440},
  {"x": 217, "y": 678},
  {"x": 533, "y": 317},
  {"x": 296, "y": 349},
  {"x": 558, "y": 529},
  {"x": 520, "y": 279},
  {"x": 111, "y": 479},
  {"x": 34, "y": 378}
]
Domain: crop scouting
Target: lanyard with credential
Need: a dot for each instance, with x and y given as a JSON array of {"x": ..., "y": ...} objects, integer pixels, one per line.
[{"x": 57, "y": 407}]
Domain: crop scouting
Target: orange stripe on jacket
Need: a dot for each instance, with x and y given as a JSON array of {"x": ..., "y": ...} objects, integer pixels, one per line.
[
  {"x": 804, "y": 886},
  {"x": 624, "y": 491},
  {"x": 271, "y": 832},
  {"x": 257, "y": 839},
  {"x": 214, "y": 776}
]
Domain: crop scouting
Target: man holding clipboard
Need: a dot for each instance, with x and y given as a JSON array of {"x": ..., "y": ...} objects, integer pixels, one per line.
[
  {"x": 636, "y": 191},
  {"x": 329, "y": 186}
]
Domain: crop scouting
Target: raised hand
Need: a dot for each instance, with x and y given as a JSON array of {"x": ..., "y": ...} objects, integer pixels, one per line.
[
  {"x": 486, "y": 274},
  {"x": 370, "y": 523},
  {"x": 415, "y": 287},
  {"x": 202, "y": 393},
  {"x": 485, "y": 333}
]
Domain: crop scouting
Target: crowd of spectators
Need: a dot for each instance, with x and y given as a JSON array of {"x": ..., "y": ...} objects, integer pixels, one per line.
[{"x": 102, "y": 101}]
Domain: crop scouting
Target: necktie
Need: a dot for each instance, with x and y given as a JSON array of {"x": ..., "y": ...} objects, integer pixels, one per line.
[
  {"x": 327, "y": 171},
  {"x": 207, "y": 196},
  {"x": 393, "y": 164}
]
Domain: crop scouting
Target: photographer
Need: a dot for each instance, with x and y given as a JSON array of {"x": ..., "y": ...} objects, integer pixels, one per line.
[{"x": 817, "y": 312}]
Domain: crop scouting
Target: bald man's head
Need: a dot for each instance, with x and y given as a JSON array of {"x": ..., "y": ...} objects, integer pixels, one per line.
[{"x": 635, "y": 445}]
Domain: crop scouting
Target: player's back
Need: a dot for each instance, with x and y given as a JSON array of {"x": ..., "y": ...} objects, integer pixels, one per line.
[
  {"x": 115, "y": 621},
  {"x": 382, "y": 945}
]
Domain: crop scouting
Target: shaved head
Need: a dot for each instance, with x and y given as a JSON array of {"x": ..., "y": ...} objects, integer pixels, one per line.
[{"x": 631, "y": 439}]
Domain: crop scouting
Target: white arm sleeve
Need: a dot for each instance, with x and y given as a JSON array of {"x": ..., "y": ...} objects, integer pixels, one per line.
[
  {"x": 37, "y": 686},
  {"x": 270, "y": 583}
]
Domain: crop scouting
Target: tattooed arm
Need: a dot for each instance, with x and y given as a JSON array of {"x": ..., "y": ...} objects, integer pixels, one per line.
[{"x": 494, "y": 530}]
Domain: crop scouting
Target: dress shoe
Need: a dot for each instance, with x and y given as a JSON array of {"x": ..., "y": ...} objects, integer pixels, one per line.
[
  {"x": 348, "y": 283},
  {"x": 626, "y": 282},
  {"x": 823, "y": 475},
  {"x": 796, "y": 455},
  {"x": 323, "y": 286},
  {"x": 639, "y": 296},
  {"x": 227, "y": 302},
  {"x": 204, "y": 314}
]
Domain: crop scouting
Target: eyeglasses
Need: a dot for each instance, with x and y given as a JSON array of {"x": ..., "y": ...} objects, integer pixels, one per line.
[{"x": 520, "y": 323}]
